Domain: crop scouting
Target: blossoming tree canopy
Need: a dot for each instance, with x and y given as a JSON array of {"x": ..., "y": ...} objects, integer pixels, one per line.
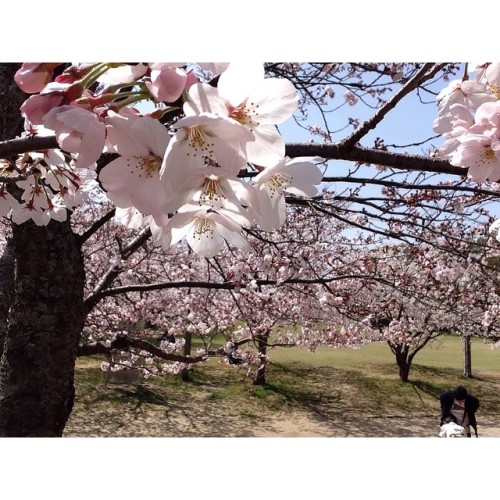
[{"x": 203, "y": 163}]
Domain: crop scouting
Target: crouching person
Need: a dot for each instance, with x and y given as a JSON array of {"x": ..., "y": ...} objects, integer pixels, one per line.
[{"x": 460, "y": 407}]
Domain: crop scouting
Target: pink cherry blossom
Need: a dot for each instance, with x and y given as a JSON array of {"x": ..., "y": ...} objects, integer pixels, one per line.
[
  {"x": 468, "y": 93},
  {"x": 7, "y": 201},
  {"x": 124, "y": 73},
  {"x": 488, "y": 114},
  {"x": 33, "y": 77},
  {"x": 53, "y": 94},
  {"x": 167, "y": 81},
  {"x": 205, "y": 139},
  {"x": 77, "y": 131},
  {"x": 455, "y": 122},
  {"x": 492, "y": 76},
  {"x": 475, "y": 152}
]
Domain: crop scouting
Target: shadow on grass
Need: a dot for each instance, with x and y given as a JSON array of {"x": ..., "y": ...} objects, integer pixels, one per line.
[
  {"x": 368, "y": 401},
  {"x": 142, "y": 395}
]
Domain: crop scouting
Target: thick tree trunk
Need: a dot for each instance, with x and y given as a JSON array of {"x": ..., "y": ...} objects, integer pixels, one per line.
[
  {"x": 260, "y": 376},
  {"x": 45, "y": 321},
  {"x": 403, "y": 361},
  {"x": 6, "y": 289},
  {"x": 467, "y": 356},
  {"x": 11, "y": 124},
  {"x": 11, "y": 98},
  {"x": 46, "y": 311},
  {"x": 404, "y": 371}
]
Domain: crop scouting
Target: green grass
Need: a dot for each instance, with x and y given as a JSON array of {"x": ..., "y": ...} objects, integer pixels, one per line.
[
  {"x": 444, "y": 353},
  {"x": 328, "y": 382}
]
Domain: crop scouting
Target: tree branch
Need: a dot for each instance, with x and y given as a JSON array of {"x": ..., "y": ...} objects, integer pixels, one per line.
[
  {"x": 95, "y": 226},
  {"x": 327, "y": 151},
  {"x": 227, "y": 285},
  {"x": 376, "y": 157},
  {"x": 370, "y": 124},
  {"x": 27, "y": 144},
  {"x": 115, "y": 270},
  {"x": 124, "y": 343}
]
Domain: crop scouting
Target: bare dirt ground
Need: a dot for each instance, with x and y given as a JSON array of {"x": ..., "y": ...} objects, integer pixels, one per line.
[{"x": 199, "y": 415}]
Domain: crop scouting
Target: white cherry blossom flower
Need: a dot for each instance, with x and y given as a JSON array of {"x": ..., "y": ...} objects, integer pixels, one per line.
[
  {"x": 7, "y": 201},
  {"x": 133, "y": 179},
  {"x": 202, "y": 140},
  {"x": 297, "y": 176},
  {"x": 124, "y": 73},
  {"x": 206, "y": 231},
  {"x": 244, "y": 95},
  {"x": 167, "y": 81}
]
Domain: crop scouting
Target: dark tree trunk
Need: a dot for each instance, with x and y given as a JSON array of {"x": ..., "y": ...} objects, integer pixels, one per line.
[
  {"x": 11, "y": 98},
  {"x": 46, "y": 310},
  {"x": 6, "y": 289},
  {"x": 404, "y": 370},
  {"x": 11, "y": 125},
  {"x": 467, "y": 356},
  {"x": 403, "y": 360},
  {"x": 45, "y": 321},
  {"x": 260, "y": 376}
]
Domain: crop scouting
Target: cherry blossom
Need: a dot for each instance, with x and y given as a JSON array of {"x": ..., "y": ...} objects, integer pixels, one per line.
[
  {"x": 133, "y": 179},
  {"x": 468, "y": 93},
  {"x": 297, "y": 176},
  {"x": 7, "y": 202},
  {"x": 469, "y": 116},
  {"x": 77, "y": 131},
  {"x": 33, "y": 77},
  {"x": 123, "y": 73},
  {"x": 167, "y": 81},
  {"x": 205, "y": 139},
  {"x": 258, "y": 103},
  {"x": 476, "y": 152},
  {"x": 206, "y": 230}
]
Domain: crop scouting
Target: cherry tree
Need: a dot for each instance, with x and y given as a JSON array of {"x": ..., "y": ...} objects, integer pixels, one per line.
[
  {"x": 204, "y": 165},
  {"x": 423, "y": 294},
  {"x": 305, "y": 285}
]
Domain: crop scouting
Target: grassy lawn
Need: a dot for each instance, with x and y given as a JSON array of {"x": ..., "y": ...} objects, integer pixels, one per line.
[
  {"x": 370, "y": 374},
  {"x": 328, "y": 383},
  {"x": 445, "y": 353}
]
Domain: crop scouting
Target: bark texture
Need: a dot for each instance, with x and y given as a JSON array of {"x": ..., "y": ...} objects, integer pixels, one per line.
[
  {"x": 46, "y": 318},
  {"x": 45, "y": 313},
  {"x": 6, "y": 289},
  {"x": 260, "y": 375},
  {"x": 11, "y": 98}
]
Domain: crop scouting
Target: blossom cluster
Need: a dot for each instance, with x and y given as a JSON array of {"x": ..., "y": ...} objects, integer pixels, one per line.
[
  {"x": 469, "y": 119},
  {"x": 177, "y": 167}
]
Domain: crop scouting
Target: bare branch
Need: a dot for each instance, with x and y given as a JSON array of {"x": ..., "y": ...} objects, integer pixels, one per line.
[
  {"x": 26, "y": 144},
  {"x": 124, "y": 343},
  {"x": 115, "y": 269},
  {"x": 227, "y": 285},
  {"x": 376, "y": 157},
  {"x": 95, "y": 226},
  {"x": 421, "y": 76}
]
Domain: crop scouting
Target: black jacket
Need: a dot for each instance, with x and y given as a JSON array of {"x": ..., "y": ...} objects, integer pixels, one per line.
[{"x": 471, "y": 405}]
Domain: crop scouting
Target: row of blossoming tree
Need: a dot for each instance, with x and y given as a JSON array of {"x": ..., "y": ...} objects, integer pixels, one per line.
[{"x": 164, "y": 195}]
